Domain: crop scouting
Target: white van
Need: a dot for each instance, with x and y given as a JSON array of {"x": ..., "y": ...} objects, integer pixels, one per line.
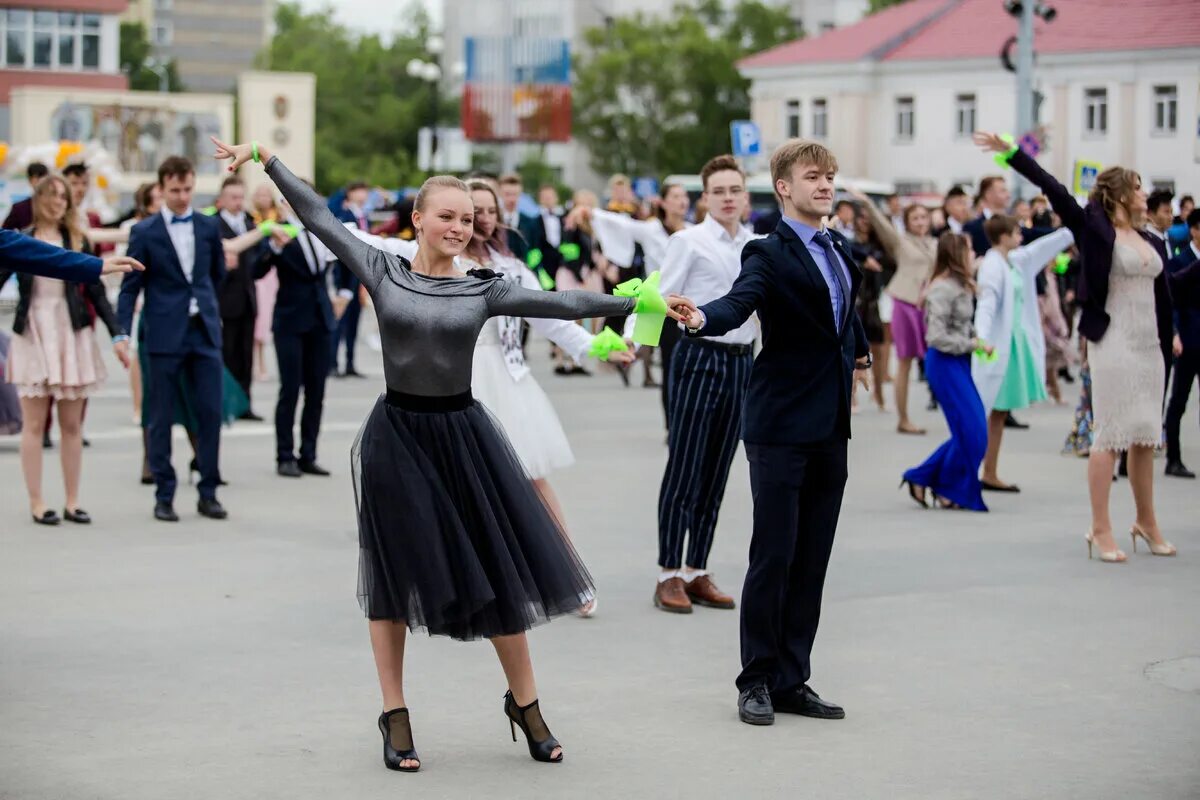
[{"x": 762, "y": 192}]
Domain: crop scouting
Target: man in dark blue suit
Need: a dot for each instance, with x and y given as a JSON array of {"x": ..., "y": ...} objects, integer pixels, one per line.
[
  {"x": 1183, "y": 276},
  {"x": 185, "y": 265},
  {"x": 353, "y": 210},
  {"x": 303, "y": 322},
  {"x": 802, "y": 281}
]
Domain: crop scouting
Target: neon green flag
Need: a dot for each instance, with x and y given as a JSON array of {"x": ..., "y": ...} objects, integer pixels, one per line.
[
  {"x": 1062, "y": 262},
  {"x": 650, "y": 309}
]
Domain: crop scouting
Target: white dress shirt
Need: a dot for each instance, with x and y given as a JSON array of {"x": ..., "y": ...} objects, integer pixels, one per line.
[
  {"x": 553, "y": 226},
  {"x": 235, "y": 221},
  {"x": 701, "y": 263},
  {"x": 620, "y": 234},
  {"x": 954, "y": 225},
  {"x": 183, "y": 238}
]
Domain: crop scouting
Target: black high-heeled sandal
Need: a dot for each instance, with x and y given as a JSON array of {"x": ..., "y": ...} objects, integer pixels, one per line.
[
  {"x": 394, "y": 726},
  {"x": 529, "y": 718},
  {"x": 912, "y": 492}
]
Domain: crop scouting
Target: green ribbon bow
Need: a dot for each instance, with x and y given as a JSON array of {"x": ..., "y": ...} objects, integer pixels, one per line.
[
  {"x": 650, "y": 309},
  {"x": 210, "y": 211},
  {"x": 1002, "y": 159},
  {"x": 267, "y": 226},
  {"x": 605, "y": 343},
  {"x": 570, "y": 251},
  {"x": 983, "y": 355},
  {"x": 1062, "y": 262}
]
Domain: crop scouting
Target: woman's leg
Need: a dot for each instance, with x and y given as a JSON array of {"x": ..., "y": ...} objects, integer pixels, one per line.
[
  {"x": 70, "y": 425},
  {"x": 991, "y": 459},
  {"x": 1141, "y": 480},
  {"x": 33, "y": 411},
  {"x": 1100, "y": 480},
  {"x": 550, "y": 500},
  {"x": 901, "y": 388},
  {"x": 387, "y": 643},
  {"x": 513, "y": 652},
  {"x": 878, "y": 372},
  {"x": 135, "y": 388}
]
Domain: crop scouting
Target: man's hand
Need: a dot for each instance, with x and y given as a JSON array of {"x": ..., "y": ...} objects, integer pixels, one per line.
[
  {"x": 121, "y": 348},
  {"x": 1177, "y": 346},
  {"x": 340, "y": 304},
  {"x": 871, "y": 265},
  {"x": 280, "y": 237},
  {"x": 115, "y": 264},
  {"x": 685, "y": 311},
  {"x": 862, "y": 377},
  {"x": 231, "y": 259}
]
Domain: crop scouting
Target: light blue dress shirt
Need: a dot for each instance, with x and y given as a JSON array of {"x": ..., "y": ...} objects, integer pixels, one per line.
[{"x": 806, "y": 234}]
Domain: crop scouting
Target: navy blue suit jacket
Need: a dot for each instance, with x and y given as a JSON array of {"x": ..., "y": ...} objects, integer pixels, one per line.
[
  {"x": 302, "y": 303},
  {"x": 1183, "y": 275},
  {"x": 21, "y": 253},
  {"x": 168, "y": 293},
  {"x": 801, "y": 382}
]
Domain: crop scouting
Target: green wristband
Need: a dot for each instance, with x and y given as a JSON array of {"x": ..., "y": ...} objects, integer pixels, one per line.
[{"x": 254, "y": 152}]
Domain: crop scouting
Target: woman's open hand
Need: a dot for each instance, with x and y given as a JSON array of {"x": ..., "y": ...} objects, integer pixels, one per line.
[
  {"x": 990, "y": 142},
  {"x": 238, "y": 153}
]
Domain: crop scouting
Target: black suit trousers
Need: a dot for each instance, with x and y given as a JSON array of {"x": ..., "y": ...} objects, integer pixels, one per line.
[
  {"x": 304, "y": 360},
  {"x": 237, "y": 342},
  {"x": 1187, "y": 368},
  {"x": 797, "y": 492}
]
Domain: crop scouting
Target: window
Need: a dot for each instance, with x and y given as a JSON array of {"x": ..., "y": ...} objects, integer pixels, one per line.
[
  {"x": 964, "y": 115},
  {"x": 50, "y": 40},
  {"x": 820, "y": 125},
  {"x": 164, "y": 33},
  {"x": 1095, "y": 111},
  {"x": 825, "y": 27},
  {"x": 793, "y": 119},
  {"x": 905, "y": 113},
  {"x": 1166, "y": 108},
  {"x": 163, "y": 5}
]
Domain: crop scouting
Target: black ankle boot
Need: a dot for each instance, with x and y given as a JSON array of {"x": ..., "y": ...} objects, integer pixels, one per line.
[
  {"x": 541, "y": 742},
  {"x": 396, "y": 730}
]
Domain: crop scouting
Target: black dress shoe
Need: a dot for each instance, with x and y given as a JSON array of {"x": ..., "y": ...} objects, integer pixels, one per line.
[
  {"x": 312, "y": 468},
  {"x": 288, "y": 469},
  {"x": 754, "y": 706},
  {"x": 250, "y": 416},
  {"x": 1012, "y": 422},
  {"x": 165, "y": 512},
  {"x": 211, "y": 507},
  {"x": 351, "y": 372},
  {"x": 807, "y": 703},
  {"x": 48, "y": 517},
  {"x": 1178, "y": 470},
  {"x": 78, "y": 516}
]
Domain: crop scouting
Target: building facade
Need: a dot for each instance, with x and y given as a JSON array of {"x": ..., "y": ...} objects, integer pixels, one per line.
[
  {"x": 898, "y": 95},
  {"x": 58, "y": 43}
]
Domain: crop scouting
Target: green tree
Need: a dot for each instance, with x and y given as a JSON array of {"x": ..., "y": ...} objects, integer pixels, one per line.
[
  {"x": 136, "y": 53},
  {"x": 654, "y": 96},
  {"x": 368, "y": 110},
  {"x": 879, "y": 5}
]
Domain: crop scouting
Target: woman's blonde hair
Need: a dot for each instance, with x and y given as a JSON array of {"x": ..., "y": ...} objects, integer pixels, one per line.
[
  {"x": 70, "y": 220},
  {"x": 1114, "y": 189},
  {"x": 434, "y": 183},
  {"x": 478, "y": 246}
]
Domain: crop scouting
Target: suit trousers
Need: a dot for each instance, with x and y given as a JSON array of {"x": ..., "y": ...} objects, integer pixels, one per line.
[
  {"x": 237, "y": 341},
  {"x": 708, "y": 387},
  {"x": 200, "y": 360},
  {"x": 303, "y": 363},
  {"x": 666, "y": 345},
  {"x": 1187, "y": 367},
  {"x": 797, "y": 492},
  {"x": 347, "y": 331}
]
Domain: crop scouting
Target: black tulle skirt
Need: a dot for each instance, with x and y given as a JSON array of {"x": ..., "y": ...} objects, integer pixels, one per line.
[{"x": 453, "y": 537}]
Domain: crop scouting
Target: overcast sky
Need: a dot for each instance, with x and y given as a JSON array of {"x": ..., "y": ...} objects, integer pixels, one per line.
[{"x": 372, "y": 16}]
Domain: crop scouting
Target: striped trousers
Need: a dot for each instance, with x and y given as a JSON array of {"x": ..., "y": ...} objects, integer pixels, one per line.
[{"x": 708, "y": 386}]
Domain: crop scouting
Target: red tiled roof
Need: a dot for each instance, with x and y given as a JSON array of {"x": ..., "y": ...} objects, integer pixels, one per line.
[{"x": 954, "y": 29}]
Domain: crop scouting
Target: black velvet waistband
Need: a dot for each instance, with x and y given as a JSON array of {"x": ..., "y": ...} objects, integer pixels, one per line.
[{"x": 420, "y": 402}]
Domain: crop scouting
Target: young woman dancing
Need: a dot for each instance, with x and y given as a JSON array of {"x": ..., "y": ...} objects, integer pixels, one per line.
[
  {"x": 1121, "y": 308},
  {"x": 453, "y": 539}
]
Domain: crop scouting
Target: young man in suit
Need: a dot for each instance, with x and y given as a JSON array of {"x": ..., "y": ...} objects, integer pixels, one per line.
[
  {"x": 185, "y": 264},
  {"x": 20, "y": 216},
  {"x": 525, "y": 233},
  {"x": 238, "y": 298},
  {"x": 353, "y": 211},
  {"x": 802, "y": 282},
  {"x": 303, "y": 322},
  {"x": 1183, "y": 275}
]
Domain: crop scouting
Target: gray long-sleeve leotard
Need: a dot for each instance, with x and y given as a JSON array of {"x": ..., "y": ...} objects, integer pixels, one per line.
[{"x": 429, "y": 325}]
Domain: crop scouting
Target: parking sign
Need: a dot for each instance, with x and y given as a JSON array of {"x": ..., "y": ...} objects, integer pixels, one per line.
[{"x": 747, "y": 139}]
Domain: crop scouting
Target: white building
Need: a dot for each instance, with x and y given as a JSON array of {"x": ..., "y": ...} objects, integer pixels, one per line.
[{"x": 898, "y": 94}]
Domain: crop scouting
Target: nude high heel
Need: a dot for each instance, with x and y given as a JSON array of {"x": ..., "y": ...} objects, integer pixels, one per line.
[
  {"x": 1164, "y": 549},
  {"x": 1110, "y": 556}
]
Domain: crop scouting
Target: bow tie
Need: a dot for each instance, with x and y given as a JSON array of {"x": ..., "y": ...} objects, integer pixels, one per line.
[{"x": 188, "y": 218}]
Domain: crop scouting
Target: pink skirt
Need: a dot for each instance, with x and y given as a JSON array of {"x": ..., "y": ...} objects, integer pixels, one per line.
[
  {"x": 908, "y": 329},
  {"x": 50, "y": 359}
]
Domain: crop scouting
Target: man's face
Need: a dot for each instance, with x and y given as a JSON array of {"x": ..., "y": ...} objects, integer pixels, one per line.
[
  {"x": 357, "y": 197},
  {"x": 893, "y": 204},
  {"x": 997, "y": 197},
  {"x": 1195, "y": 231},
  {"x": 233, "y": 199},
  {"x": 1162, "y": 216},
  {"x": 845, "y": 213},
  {"x": 78, "y": 184},
  {"x": 810, "y": 190},
  {"x": 959, "y": 207},
  {"x": 547, "y": 197},
  {"x": 510, "y": 195},
  {"x": 177, "y": 192},
  {"x": 726, "y": 197}
]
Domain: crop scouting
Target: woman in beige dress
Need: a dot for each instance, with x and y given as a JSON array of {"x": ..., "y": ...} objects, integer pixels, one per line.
[{"x": 54, "y": 355}]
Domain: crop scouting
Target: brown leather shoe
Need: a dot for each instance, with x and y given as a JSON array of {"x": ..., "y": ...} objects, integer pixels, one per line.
[
  {"x": 670, "y": 596},
  {"x": 702, "y": 590}
]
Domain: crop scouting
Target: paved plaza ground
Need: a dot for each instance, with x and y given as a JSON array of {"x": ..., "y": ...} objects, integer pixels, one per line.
[{"x": 978, "y": 656}]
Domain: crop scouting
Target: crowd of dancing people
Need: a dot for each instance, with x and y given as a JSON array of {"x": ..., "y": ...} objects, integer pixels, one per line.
[{"x": 768, "y": 337}]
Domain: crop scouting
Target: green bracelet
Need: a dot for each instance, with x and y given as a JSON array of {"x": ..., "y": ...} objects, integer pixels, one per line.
[{"x": 254, "y": 152}]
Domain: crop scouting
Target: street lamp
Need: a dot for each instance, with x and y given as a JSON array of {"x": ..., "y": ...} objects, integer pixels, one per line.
[
  {"x": 159, "y": 69},
  {"x": 430, "y": 71}
]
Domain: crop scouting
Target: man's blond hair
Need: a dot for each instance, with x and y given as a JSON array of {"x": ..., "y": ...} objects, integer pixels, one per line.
[{"x": 800, "y": 151}]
